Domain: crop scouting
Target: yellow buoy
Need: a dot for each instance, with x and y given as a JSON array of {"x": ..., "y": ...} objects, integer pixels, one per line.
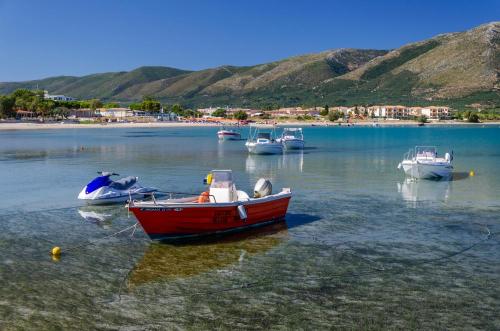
[
  {"x": 56, "y": 251},
  {"x": 471, "y": 173}
]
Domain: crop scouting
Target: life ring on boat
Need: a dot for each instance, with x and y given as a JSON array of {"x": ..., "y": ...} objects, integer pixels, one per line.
[{"x": 204, "y": 197}]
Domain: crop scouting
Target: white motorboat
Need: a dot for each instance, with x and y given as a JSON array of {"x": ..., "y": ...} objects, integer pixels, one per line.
[
  {"x": 263, "y": 142},
  {"x": 423, "y": 163},
  {"x": 104, "y": 190},
  {"x": 292, "y": 138},
  {"x": 228, "y": 134}
]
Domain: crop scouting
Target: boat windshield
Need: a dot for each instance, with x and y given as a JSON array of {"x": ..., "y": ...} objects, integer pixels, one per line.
[
  {"x": 296, "y": 133},
  {"x": 292, "y": 133},
  {"x": 222, "y": 179},
  {"x": 428, "y": 152},
  {"x": 264, "y": 135}
]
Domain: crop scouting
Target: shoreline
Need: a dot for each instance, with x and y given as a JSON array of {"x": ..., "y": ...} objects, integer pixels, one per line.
[{"x": 5, "y": 126}]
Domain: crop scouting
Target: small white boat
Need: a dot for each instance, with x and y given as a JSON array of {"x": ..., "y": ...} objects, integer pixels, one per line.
[
  {"x": 263, "y": 143},
  {"x": 228, "y": 134},
  {"x": 292, "y": 138},
  {"x": 423, "y": 163}
]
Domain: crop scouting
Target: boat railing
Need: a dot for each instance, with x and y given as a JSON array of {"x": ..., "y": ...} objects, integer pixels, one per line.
[
  {"x": 409, "y": 155},
  {"x": 295, "y": 133},
  {"x": 255, "y": 134},
  {"x": 425, "y": 152},
  {"x": 172, "y": 195},
  {"x": 421, "y": 152}
]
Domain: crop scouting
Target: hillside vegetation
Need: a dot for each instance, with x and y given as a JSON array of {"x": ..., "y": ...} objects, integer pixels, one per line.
[{"x": 457, "y": 69}]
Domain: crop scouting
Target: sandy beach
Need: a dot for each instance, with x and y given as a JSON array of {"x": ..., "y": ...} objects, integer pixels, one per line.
[
  {"x": 44, "y": 126},
  {"x": 62, "y": 125}
]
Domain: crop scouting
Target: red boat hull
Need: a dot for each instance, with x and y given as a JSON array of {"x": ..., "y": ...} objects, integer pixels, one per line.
[{"x": 195, "y": 220}]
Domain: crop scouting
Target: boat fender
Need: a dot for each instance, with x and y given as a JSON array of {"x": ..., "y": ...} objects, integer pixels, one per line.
[
  {"x": 208, "y": 179},
  {"x": 243, "y": 213},
  {"x": 204, "y": 197}
]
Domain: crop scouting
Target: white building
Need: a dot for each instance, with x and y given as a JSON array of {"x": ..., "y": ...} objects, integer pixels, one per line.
[
  {"x": 116, "y": 112},
  {"x": 57, "y": 97},
  {"x": 208, "y": 111},
  {"x": 436, "y": 112}
]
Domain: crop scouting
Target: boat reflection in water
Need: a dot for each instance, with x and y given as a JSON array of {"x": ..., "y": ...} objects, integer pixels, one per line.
[
  {"x": 163, "y": 262},
  {"x": 100, "y": 215},
  {"x": 424, "y": 190},
  {"x": 293, "y": 160},
  {"x": 268, "y": 166}
]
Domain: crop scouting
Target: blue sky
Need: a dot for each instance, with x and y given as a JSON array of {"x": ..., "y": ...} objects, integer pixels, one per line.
[{"x": 47, "y": 38}]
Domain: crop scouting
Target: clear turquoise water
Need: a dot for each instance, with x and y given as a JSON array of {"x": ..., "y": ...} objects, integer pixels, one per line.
[{"x": 362, "y": 248}]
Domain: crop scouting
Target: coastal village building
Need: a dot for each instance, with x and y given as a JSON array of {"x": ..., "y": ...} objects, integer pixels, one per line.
[
  {"x": 116, "y": 112},
  {"x": 59, "y": 97},
  {"x": 434, "y": 112},
  {"x": 295, "y": 111},
  {"x": 393, "y": 112},
  {"x": 404, "y": 112},
  {"x": 25, "y": 114},
  {"x": 289, "y": 112},
  {"x": 396, "y": 112},
  {"x": 207, "y": 112},
  {"x": 82, "y": 113}
]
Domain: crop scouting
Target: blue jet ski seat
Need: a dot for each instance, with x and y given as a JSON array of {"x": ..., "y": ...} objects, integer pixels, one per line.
[{"x": 123, "y": 183}]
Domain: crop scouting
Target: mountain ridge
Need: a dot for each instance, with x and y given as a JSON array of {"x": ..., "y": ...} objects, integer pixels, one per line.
[{"x": 457, "y": 67}]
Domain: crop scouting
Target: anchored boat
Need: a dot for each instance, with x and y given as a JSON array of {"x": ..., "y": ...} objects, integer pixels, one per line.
[
  {"x": 292, "y": 138},
  {"x": 423, "y": 163},
  {"x": 222, "y": 209},
  {"x": 228, "y": 134},
  {"x": 263, "y": 142}
]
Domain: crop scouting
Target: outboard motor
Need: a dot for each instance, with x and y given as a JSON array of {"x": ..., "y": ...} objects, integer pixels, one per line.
[
  {"x": 448, "y": 157},
  {"x": 262, "y": 188}
]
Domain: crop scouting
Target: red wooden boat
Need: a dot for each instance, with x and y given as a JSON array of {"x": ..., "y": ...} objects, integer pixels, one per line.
[{"x": 222, "y": 209}]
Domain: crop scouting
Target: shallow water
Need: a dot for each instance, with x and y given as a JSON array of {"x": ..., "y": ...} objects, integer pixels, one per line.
[{"x": 361, "y": 246}]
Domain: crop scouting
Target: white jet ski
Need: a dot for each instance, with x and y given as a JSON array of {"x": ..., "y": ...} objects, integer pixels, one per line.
[{"x": 104, "y": 190}]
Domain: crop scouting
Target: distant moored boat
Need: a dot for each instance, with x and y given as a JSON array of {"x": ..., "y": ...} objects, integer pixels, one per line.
[
  {"x": 423, "y": 163},
  {"x": 228, "y": 134},
  {"x": 263, "y": 143},
  {"x": 292, "y": 138}
]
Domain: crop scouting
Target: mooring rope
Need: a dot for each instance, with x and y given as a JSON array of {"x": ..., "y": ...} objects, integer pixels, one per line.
[
  {"x": 93, "y": 242},
  {"x": 39, "y": 211}
]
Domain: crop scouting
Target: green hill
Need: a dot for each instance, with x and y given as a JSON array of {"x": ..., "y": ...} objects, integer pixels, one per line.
[
  {"x": 455, "y": 68},
  {"x": 104, "y": 86}
]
